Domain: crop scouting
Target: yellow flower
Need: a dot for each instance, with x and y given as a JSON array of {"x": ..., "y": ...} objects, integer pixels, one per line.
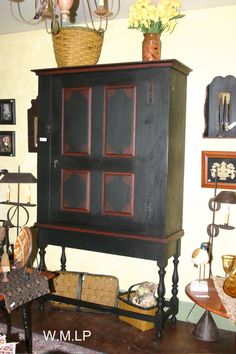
[{"x": 147, "y": 16}]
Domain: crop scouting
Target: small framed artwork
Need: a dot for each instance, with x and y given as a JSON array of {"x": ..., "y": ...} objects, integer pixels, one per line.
[
  {"x": 7, "y": 143},
  {"x": 220, "y": 167},
  {"x": 7, "y": 111}
]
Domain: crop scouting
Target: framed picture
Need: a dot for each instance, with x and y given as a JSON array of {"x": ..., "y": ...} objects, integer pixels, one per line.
[
  {"x": 7, "y": 143},
  {"x": 220, "y": 167},
  {"x": 7, "y": 112}
]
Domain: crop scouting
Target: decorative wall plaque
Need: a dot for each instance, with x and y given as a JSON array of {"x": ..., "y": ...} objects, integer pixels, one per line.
[{"x": 220, "y": 108}]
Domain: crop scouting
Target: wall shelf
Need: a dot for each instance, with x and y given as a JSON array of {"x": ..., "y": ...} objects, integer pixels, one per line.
[{"x": 20, "y": 204}]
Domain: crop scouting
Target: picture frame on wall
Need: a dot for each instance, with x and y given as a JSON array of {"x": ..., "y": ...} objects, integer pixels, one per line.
[
  {"x": 7, "y": 143},
  {"x": 7, "y": 111},
  {"x": 220, "y": 167}
]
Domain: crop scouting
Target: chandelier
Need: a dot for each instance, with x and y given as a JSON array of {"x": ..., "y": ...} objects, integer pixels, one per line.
[{"x": 61, "y": 13}]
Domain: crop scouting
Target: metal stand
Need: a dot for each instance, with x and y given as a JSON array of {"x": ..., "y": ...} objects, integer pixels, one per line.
[{"x": 206, "y": 329}]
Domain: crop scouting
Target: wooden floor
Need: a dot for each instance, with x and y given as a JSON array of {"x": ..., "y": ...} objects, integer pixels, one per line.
[{"x": 111, "y": 336}]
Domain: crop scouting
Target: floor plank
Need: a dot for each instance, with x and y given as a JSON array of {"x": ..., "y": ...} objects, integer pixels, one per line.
[{"x": 111, "y": 336}]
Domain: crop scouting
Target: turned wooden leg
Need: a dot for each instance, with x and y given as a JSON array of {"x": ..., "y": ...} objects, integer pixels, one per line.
[
  {"x": 160, "y": 317},
  {"x": 7, "y": 316},
  {"x": 174, "y": 301},
  {"x": 26, "y": 315},
  {"x": 42, "y": 264},
  {"x": 63, "y": 258}
]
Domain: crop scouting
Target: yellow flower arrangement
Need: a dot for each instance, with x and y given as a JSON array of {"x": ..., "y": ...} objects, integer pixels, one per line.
[{"x": 148, "y": 17}]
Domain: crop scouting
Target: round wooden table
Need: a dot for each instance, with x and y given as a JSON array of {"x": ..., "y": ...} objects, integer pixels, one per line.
[
  {"x": 209, "y": 300},
  {"x": 211, "y": 303}
]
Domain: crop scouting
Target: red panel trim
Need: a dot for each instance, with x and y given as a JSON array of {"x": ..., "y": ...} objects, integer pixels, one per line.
[
  {"x": 86, "y": 92},
  {"x": 106, "y": 150},
  {"x": 128, "y": 209},
  {"x": 83, "y": 174},
  {"x": 157, "y": 239}
]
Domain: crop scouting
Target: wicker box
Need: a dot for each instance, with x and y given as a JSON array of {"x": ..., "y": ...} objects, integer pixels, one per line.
[
  {"x": 126, "y": 304},
  {"x": 100, "y": 289},
  {"x": 66, "y": 284},
  {"x": 95, "y": 288}
]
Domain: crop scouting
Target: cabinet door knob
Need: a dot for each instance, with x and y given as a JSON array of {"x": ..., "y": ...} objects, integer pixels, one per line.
[{"x": 55, "y": 163}]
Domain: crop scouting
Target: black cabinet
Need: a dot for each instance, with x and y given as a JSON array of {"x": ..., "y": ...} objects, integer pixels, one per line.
[{"x": 111, "y": 160}]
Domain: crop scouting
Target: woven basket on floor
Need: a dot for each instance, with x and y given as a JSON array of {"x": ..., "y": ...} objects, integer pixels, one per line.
[
  {"x": 75, "y": 46},
  {"x": 126, "y": 304},
  {"x": 100, "y": 289},
  {"x": 66, "y": 284},
  {"x": 96, "y": 288}
]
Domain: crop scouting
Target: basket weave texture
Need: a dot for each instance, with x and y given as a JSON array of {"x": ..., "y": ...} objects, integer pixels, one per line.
[
  {"x": 137, "y": 323},
  {"x": 66, "y": 284},
  {"x": 96, "y": 288},
  {"x": 100, "y": 289},
  {"x": 75, "y": 46}
]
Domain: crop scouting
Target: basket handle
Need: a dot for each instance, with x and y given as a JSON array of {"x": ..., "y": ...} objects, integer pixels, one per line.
[{"x": 130, "y": 289}]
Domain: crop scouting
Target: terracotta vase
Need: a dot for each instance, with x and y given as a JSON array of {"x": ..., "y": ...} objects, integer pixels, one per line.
[{"x": 151, "y": 47}]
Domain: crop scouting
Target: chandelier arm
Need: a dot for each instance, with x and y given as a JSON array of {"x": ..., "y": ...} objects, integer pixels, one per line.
[
  {"x": 106, "y": 24},
  {"x": 101, "y": 28},
  {"x": 84, "y": 12},
  {"x": 118, "y": 9},
  {"x": 30, "y": 21},
  {"x": 91, "y": 16},
  {"x": 108, "y": 11},
  {"x": 96, "y": 5},
  {"x": 101, "y": 18},
  {"x": 55, "y": 25},
  {"x": 46, "y": 26},
  {"x": 41, "y": 13},
  {"x": 22, "y": 19},
  {"x": 53, "y": 4},
  {"x": 111, "y": 9}
]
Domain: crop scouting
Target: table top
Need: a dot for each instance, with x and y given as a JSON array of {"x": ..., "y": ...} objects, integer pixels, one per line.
[
  {"x": 47, "y": 274},
  {"x": 208, "y": 300}
]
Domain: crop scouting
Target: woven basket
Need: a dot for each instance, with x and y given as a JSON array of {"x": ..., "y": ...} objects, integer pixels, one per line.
[
  {"x": 100, "y": 289},
  {"x": 126, "y": 304},
  {"x": 66, "y": 284},
  {"x": 96, "y": 288},
  {"x": 75, "y": 46}
]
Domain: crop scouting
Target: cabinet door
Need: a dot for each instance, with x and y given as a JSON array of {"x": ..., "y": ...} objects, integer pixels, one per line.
[{"x": 108, "y": 150}]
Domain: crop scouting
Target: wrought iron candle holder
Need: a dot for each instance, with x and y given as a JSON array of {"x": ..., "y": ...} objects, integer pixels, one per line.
[
  {"x": 14, "y": 209},
  {"x": 206, "y": 329},
  {"x": 213, "y": 229}
]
